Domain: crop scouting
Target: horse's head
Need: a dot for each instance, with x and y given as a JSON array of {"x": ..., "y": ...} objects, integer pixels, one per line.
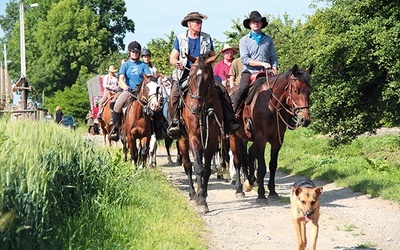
[
  {"x": 201, "y": 79},
  {"x": 298, "y": 95},
  {"x": 151, "y": 92}
]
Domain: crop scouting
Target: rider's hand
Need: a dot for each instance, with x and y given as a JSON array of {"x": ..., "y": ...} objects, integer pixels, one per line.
[
  {"x": 266, "y": 65},
  {"x": 179, "y": 65}
]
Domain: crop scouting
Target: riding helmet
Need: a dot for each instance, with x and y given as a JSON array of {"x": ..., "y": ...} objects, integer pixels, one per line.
[
  {"x": 134, "y": 46},
  {"x": 146, "y": 52}
]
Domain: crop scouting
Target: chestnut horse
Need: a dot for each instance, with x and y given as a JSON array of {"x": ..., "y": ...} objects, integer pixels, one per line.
[
  {"x": 137, "y": 123},
  {"x": 105, "y": 120},
  {"x": 279, "y": 102},
  {"x": 201, "y": 116}
]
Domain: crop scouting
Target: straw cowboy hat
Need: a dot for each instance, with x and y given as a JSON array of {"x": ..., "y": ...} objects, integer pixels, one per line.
[
  {"x": 112, "y": 69},
  {"x": 255, "y": 16},
  {"x": 228, "y": 47},
  {"x": 193, "y": 16}
]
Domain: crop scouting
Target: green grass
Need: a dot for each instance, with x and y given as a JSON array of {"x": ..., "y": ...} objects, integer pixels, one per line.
[
  {"x": 369, "y": 164},
  {"x": 59, "y": 191}
]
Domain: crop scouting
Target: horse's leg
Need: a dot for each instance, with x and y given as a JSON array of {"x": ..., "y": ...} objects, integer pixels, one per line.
[
  {"x": 144, "y": 152},
  {"x": 152, "y": 151},
  {"x": 199, "y": 170},
  {"x": 168, "y": 144},
  {"x": 178, "y": 154},
  {"x": 202, "y": 205},
  {"x": 235, "y": 144},
  {"x": 133, "y": 150},
  {"x": 257, "y": 151},
  {"x": 183, "y": 146},
  {"x": 273, "y": 165}
]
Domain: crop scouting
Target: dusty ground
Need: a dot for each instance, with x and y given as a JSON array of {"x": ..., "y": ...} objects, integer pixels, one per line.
[{"x": 348, "y": 219}]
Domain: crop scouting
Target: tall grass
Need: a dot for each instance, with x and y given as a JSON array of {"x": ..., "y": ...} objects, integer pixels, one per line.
[
  {"x": 370, "y": 164},
  {"x": 59, "y": 191}
]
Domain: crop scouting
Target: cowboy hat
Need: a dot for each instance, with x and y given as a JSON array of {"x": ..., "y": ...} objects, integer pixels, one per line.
[
  {"x": 193, "y": 16},
  {"x": 255, "y": 16},
  {"x": 112, "y": 69},
  {"x": 228, "y": 47}
]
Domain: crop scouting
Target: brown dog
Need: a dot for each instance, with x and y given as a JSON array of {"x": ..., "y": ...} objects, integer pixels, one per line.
[{"x": 305, "y": 203}]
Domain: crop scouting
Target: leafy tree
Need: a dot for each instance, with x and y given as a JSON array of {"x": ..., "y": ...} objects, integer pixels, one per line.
[
  {"x": 113, "y": 19},
  {"x": 356, "y": 82}
]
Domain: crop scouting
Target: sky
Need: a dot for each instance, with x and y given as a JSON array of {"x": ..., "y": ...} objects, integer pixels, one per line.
[{"x": 157, "y": 18}]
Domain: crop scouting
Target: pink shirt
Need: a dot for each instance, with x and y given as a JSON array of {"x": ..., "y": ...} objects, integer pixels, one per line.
[{"x": 221, "y": 69}]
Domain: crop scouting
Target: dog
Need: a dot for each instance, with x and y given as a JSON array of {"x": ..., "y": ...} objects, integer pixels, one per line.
[{"x": 305, "y": 204}]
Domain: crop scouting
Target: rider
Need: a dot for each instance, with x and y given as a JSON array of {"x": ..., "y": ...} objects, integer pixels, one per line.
[
  {"x": 130, "y": 76},
  {"x": 110, "y": 84},
  {"x": 193, "y": 42},
  {"x": 146, "y": 58},
  {"x": 257, "y": 51}
]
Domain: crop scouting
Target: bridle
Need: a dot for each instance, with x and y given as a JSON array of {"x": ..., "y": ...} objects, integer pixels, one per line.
[
  {"x": 293, "y": 110},
  {"x": 202, "y": 113}
]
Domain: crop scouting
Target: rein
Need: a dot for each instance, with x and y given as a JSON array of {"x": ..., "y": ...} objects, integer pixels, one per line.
[
  {"x": 206, "y": 114},
  {"x": 293, "y": 109}
]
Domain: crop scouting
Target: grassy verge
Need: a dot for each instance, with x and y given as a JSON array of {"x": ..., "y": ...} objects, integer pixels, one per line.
[
  {"x": 369, "y": 164},
  {"x": 58, "y": 191}
]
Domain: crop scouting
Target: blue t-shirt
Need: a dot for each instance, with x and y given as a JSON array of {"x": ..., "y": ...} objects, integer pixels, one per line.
[
  {"x": 194, "y": 47},
  {"x": 133, "y": 72}
]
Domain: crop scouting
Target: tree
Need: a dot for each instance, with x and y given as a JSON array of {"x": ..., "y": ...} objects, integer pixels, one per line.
[{"x": 356, "y": 81}]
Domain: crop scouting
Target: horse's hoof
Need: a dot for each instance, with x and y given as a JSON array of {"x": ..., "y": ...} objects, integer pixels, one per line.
[
  {"x": 273, "y": 197},
  {"x": 240, "y": 195},
  {"x": 220, "y": 177},
  {"x": 202, "y": 209},
  {"x": 247, "y": 187},
  {"x": 261, "y": 200}
]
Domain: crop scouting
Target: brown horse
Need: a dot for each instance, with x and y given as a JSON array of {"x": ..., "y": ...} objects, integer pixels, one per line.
[
  {"x": 105, "y": 120},
  {"x": 137, "y": 123},
  {"x": 278, "y": 103},
  {"x": 202, "y": 119}
]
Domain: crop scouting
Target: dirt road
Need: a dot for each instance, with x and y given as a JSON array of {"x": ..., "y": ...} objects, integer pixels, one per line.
[{"x": 348, "y": 220}]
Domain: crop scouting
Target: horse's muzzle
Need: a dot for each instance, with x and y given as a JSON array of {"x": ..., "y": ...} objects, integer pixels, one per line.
[{"x": 303, "y": 117}]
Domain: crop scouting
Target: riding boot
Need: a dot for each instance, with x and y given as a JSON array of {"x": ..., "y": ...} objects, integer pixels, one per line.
[
  {"x": 100, "y": 114},
  {"x": 112, "y": 111},
  {"x": 173, "y": 113},
  {"x": 238, "y": 98},
  {"x": 114, "y": 130},
  {"x": 231, "y": 124}
]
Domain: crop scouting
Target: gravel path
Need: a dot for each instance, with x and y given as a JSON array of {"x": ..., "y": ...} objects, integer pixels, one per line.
[{"x": 348, "y": 219}]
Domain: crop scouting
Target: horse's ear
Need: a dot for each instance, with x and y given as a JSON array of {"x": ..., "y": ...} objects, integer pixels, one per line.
[
  {"x": 191, "y": 58},
  {"x": 295, "y": 70},
  {"x": 212, "y": 59},
  {"x": 310, "y": 69}
]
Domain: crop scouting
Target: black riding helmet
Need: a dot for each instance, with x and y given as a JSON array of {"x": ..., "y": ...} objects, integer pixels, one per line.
[
  {"x": 146, "y": 52},
  {"x": 134, "y": 46}
]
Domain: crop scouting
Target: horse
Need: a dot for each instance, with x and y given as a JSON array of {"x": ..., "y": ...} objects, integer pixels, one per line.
[
  {"x": 105, "y": 119},
  {"x": 161, "y": 124},
  {"x": 137, "y": 123},
  {"x": 278, "y": 102},
  {"x": 201, "y": 127}
]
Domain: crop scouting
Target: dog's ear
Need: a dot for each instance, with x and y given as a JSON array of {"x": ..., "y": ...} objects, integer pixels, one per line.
[
  {"x": 297, "y": 190},
  {"x": 319, "y": 190}
]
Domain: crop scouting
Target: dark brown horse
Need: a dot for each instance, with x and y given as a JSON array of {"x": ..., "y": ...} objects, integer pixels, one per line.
[
  {"x": 137, "y": 124},
  {"x": 202, "y": 119},
  {"x": 278, "y": 103},
  {"x": 105, "y": 120}
]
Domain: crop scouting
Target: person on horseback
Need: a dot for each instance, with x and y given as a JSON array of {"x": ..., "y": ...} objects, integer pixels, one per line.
[
  {"x": 146, "y": 58},
  {"x": 257, "y": 51},
  {"x": 110, "y": 85},
  {"x": 130, "y": 76},
  {"x": 193, "y": 42},
  {"x": 221, "y": 68}
]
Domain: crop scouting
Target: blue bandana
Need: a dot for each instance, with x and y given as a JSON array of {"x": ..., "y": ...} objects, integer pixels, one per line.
[{"x": 257, "y": 36}]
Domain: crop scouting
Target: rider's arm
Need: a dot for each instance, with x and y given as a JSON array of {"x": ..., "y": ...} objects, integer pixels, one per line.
[{"x": 121, "y": 82}]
